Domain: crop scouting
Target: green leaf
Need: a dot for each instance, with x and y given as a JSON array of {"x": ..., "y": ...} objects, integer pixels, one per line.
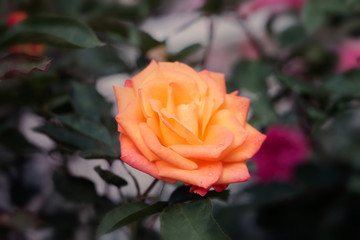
[
  {"x": 315, "y": 12},
  {"x": 126, "y": 214},
  {"x": 345, "y": 85},
  {"x": 185, "y": 52},
  {"x": 52, "y": 30},
  {"x": 292, "y": 36},
  {"x": 87, "y": 126},
  {"x": 86, "y": 100},
  {"x": 250, "y": 79},
  {"x": 99, "y": 154},
  {"x": 298, "y": 85},
  {"x": 75, "y": 189},
  {"x": 110, "y": 177},
  {"x": 18, "y": 64},
  {"x": 129, "y": 33},
  {"x": 66, "y": 136},
  {"x": 190, "y": 221}
]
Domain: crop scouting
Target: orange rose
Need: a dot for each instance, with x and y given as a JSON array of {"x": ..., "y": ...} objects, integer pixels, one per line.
[
  {"x": 177, "y": 124},
  {"x": 31, "y": 49}
]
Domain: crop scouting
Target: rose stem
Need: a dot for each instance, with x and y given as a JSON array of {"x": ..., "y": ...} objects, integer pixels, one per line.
[
  {"x": 210, "y": 42},
  {"x": 250, "y": 35},
  {"x": 133, "y": 178},
  {"x": 144, "y": 195}
]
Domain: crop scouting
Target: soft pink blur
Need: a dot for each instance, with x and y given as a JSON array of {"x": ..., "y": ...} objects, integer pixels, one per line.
[
  {"x": 348, "y": 55},
  {"x": 275, "y": 6},
  {"x": 248, "y": 50},
  {"x": 284, "y": 148}
]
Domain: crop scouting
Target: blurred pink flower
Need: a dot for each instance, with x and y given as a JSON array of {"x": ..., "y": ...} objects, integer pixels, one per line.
[
  {"x": 348, "y": 55},
  {"x": 275, "y": 6},
  {"x": 284, "y": 148},
  {"x": 248, "y": 50}
]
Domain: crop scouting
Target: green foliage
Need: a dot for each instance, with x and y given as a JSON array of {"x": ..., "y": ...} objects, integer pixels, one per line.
[
  {"x": 192, "y": 220},
  {"x": 75, "y": 189},
  {"x": 53, "y": 30},
  {"x": 126, "y": 214},
  {"x": 110, "y": 177},
  {"x": 250, "y": 78}
]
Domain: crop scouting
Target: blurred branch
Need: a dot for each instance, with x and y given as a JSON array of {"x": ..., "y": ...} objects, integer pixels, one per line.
[{"x": 210, "y": 42}]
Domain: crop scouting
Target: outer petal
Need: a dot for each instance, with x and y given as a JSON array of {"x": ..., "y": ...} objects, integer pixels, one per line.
[
  {"x": 132, "y": 156},
  {"x": 183, "y": 70},
  {"x": 144, "y": 75},
  {"x": 251, "y": 145},
  {"x": 238, "y": 105},
  {"x": 123, "y": 96},
  {"x": 205, "y": 176},
  {"x": 199, "y": 190},
  {"x": 227, "y": 119},
  {"x": 217, "y": 88},
  {"x": 218, "y": 138},
  {"x": 162, "y": 152},
  {"x": 234, "y": 173},
  {"x": 128, "y": 121}
]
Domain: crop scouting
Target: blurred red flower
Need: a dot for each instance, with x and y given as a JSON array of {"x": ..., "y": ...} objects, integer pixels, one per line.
[
  {"x": 348, "y": 55},
  {"x": 30, "y": 49},
  {"x": 284, "y": 148}
]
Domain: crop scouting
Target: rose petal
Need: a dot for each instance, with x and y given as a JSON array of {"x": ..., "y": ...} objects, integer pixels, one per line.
[
  {"x": 220, "y": 188},
  {"x": 218, "y": 138},
  {"x": 162, "y": 152},
  {"x": 129, "y": 120},
  {"x": 123, "y": 96},
  {"x": 199, "y": 190},
  {"x": 180, "y": 71},
  {"x": 227, "y": 119},
  {"x": 132, "y": 156},
  {"x": 205, "y": 176},
  {"x": 250, "y": 146},
  {"x": 234, "y": 173},
  {"x": 216, "y": 86},
  {"x": 238, "y": 105},
  {"x": 146, "y": 74},
  {"x": 173, "y": 124},
  {"x": 188, "y": 116}
]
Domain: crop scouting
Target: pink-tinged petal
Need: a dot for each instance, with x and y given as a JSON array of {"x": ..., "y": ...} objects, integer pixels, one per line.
[
  {"x": 205, "y": 176},
  {"x": 129, "y": 120},
  {"x": 132, "y": 156},
  {"x": 199, "y": 190},
  {"x": 220, "y": 188},
  {"x": 217, "y": 140},
  {"x": 238, "y": 105},
  {"x": 123, "y": 96},
  {"x": 250, "y": 146},
  {"x": 164, "y": 153},
  {"x": 227, "y": 119},
  {"x": 128, "y": 83},
  {"x": 234, "y": 173}
]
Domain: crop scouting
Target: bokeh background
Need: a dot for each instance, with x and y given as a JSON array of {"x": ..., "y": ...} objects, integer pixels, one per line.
[{"x": 297, "y": 60}]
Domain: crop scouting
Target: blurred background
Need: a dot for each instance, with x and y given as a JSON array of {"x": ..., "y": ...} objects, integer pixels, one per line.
[{"x": 297, "y": 60}]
